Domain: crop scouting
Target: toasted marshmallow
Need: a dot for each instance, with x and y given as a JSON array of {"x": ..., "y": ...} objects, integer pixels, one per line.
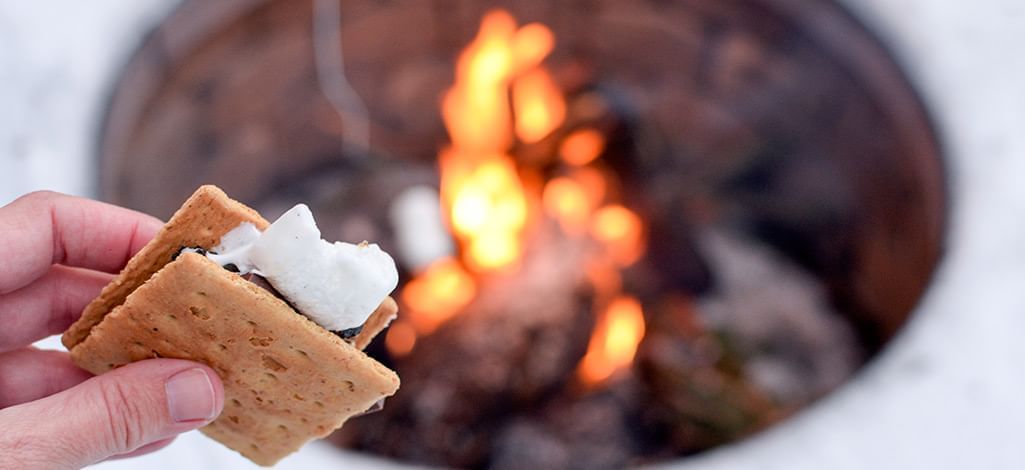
[{"x": 337, "y": 285}]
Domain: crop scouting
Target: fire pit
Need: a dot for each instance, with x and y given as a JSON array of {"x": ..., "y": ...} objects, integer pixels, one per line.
[{"x": 627, "y": 231}]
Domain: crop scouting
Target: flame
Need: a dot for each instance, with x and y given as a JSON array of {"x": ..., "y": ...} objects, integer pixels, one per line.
[
  {"x": 485, "y": 200},
  {"x": 567, "y": 201},
  {"x": 606, "y": 279},
  {"x": 493, "y": 249},
  {"x": 401, "y": 339},
  {"x": 476, "y": 109},
  {"x": 435, "y": 295},
  {"x": 582, "y": 147},
  {"x": 531, "y": 44},
  {"x": 621, "y": 231},
  {"x": 487, "y": 207},
  {"x": 593, "y": 182},
  {"x": 540, "y": 107},
  {"x": 614, "y": 342},
  {"x": 504, "y": 96},
  {"x": 537, "y": 100}
]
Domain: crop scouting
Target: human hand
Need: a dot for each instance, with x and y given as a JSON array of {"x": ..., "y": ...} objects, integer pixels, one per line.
[{"x": 56, "y": 254}]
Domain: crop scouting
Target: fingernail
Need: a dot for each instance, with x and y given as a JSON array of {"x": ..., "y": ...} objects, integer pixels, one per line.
[{"x": 190, "y": 396}]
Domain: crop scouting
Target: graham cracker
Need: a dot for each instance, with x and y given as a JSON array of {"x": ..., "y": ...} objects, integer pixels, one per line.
[
  {"x": 377, "y": 322},
  {"x": 201, "y": 222},
  {"x": 286, "y": 379}
]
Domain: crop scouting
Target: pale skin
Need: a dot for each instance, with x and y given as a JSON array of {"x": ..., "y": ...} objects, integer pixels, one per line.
[{"x": 56, "y": 254}]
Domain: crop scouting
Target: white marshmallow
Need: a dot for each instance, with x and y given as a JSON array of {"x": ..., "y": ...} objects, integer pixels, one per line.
[{"x": 337, "y": 285}]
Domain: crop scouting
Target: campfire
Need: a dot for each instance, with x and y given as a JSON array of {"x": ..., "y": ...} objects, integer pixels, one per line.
[{"x": 528, "y": 320}]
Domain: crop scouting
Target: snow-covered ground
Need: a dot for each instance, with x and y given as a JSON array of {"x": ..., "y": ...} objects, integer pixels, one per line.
[{"x": 948, "y": 394}]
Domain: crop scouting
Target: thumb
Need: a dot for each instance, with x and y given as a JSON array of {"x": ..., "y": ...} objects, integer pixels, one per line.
[{"x": 111, "y": 414}]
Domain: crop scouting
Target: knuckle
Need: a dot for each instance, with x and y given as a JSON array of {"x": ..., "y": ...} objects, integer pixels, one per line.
[
  {"x": 125, "y": 420},
  {"x": 40, "y": 196}
]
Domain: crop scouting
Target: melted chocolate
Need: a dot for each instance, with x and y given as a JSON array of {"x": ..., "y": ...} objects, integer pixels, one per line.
[
  {"x": 190, "y": 249},
  {"x": 349, "y": 333},
  {"x": 346, "y": 335}
]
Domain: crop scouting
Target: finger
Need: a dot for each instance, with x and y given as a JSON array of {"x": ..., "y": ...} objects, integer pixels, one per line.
[
  {"x": 44, "y": 228},
  {"x": 47, "y": 306},
  {"x": 111, "y": 414},
  {"x": 30, "y": 374},
  {"x": 146, "y": 449}
]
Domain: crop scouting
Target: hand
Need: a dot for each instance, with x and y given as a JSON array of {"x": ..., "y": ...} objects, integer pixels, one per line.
[{"x": 56, "y": 253}]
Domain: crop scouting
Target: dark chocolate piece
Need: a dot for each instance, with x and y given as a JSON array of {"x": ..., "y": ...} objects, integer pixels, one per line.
[
  {"x": 262, "y": 282},
  {"x": 346, "y": 335},
  {"x": 349, "y": 333},
  {"x": 188, "y": 249}
]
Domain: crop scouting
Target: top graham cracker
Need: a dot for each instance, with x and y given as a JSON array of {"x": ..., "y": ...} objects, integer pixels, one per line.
[{"x": 201, "y": 222}]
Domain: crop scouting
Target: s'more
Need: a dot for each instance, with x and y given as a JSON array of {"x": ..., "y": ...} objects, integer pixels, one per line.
[{"x": 280, "y": 314}]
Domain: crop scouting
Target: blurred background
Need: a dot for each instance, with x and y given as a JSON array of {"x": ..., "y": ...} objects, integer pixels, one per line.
[{"x": 699, "y": 234}]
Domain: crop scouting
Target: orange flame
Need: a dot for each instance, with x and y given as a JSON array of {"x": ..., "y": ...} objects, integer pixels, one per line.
[
  {"x": 616, "y": 336},
  {"x": 582, "y": 147},
  {"x": 435, "y": 295},
  {"x": 568, "y": 202},
  {"x": 593, "y": 182},
  {"x": 606, "y": 279},
  {"x": 476, "y": 109},
  {"x": 622, "y": 232},
  {"x": 401, "y": 339},
  {"x": 484, "y": 197},
  {"x": 531, "y": 44},
  {"x": 539, "y": 105},
  {"x": 503, "y": 95}
]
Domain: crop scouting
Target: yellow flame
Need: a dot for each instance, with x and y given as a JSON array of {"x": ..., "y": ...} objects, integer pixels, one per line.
[
  {"x": 614, "y": 342},
  {"x": 540, "y": 107},
  {"x": 487, "y": 207},
  {"x": 476, "y": 109},
  {"x": 484, "y": 198},
  {"x": 493, "y": 249},
  {"x": 435, "y": 295},
  {"x": 622, "y": 232},
  {"x": 531, "y": 44},
  {"x": 567, "y": 201},
  {"x": 503, "y": 94}
]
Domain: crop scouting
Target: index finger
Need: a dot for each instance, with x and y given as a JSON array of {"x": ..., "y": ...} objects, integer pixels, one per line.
[{"x": 45, "y": 228}]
